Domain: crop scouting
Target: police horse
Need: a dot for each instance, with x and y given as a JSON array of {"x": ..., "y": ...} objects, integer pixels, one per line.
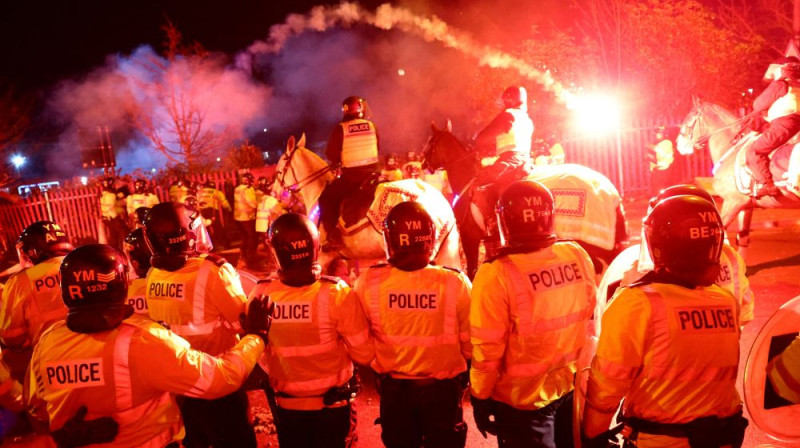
[
  {"x": 588, "y": 208},
  {"x": 713, "y": 125},
  {"x": 301, "y": 175}
]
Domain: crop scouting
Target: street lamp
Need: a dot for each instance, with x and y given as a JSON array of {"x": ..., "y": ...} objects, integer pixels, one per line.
[{"x": 17, "y": 160}]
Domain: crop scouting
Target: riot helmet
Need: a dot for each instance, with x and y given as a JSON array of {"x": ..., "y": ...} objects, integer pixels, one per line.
[
  {"x": 40, "y": 241},
  {"x": 139, "y": 214},
  {"x": 294, "y": 241},
  {"x": 263, "y": 184},
  {"x": 391, "y": 162},
  {"x": 191, "y": 202},
  {"x": 525, "y": 213},
  {"x": 211, "y": 184},
  {"x": 170, "y": 230},
  {"x": 139, "y": 186},
  {"x": 109, "y": 183},
  {"x": 135, "y": 248},
  {"x": 409, "y": 235},
  {"x": 354, "y": 107},
  {"x": 246, "y": 179},
  {"x": 515, "y": 97},
  {"x": 680, "y": 190},
  {"x": 684, "y": 235},
  {"x": 94, "y": 286}
]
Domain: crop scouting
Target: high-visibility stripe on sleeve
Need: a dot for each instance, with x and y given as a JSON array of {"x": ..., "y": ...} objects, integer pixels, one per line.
[
  {"x": 122, "y": 370},
  {"x": 708, "y": 374},
  {"x": 208, "y": 369},
  {"x": 374, "y": 302},
  {"x": 199, "y": 299},
  {"x": 357, "y": 339},
  {"x": 540, "y": 368},
  {"x": 195, "y": 329},
  {"x": 488, "y": 334},
  {"x": 303, "y": 350},
  {"x": 615, "y": 370}
]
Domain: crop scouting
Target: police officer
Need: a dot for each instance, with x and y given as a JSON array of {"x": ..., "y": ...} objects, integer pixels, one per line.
[
  {"x": 211, "y": 202},
  {"x": 391, "y": 171},
  {"x": 122, "y": 366},
  {"x": 508, "y": 137},
  {"x": 783, "y": 372},
  {"x": 669, "y": 344},
  {"x": 419, "y": 317},
  {"x": 318, "y": 326},
  {"x": 634, "y": 262},
  {"x": 140, "y": 198},
  {"x": 530, "y": 307},
  {"x": 32, "y": 297},
  {"x": 262, "y": 187},
  {"x": 112, "y": 216},
  {"x": 244, "y": 213},
  {"x": 200, "y": 296},
  {"x": 353, "y": 144},
  {"x": 135, "y": 248},
  {"x": 178, "y": 190}
]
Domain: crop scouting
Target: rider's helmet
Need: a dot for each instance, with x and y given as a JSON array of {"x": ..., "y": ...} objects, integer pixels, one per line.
[
  {"x": 525, "y": 216},
  {"x": 135, "y": 248},
  {"x": 108, "y": 183},
  {"x": 41, "y": 241},
  {"x": 246, "y": 179},
  {"x": 515, "y": 97},
  {"x": 294, "y": 241},
  {"x": 354, "y": 107},
  {"x": 139, "y": 186},
  {"x": 409, "y": 235},
  {"x": 211, "y": 184},
  {"x": 170, "y": 230},
  {"x": 391, "y": 162},
  {"x": 684, "y": 235},
  {"x": 94, "y": 286}
]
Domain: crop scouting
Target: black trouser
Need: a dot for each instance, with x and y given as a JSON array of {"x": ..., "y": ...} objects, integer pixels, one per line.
[
  {"x": 325, "y": 428},
  {"x": 425, "y": 413},
  {"x": 249, "y": 240},
  {"x": 779, "y": 131},
  {"x": 332, "y": 196},
  {"x": 218, "y": 236},
  {"x": 116, "y": 231},
  {"x": 219, "y": 423},
  {"x": 548, "y": 427}
]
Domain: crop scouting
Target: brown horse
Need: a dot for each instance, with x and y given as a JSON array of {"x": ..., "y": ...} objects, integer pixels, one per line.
[
  {"x": 588, "y": 206},
  {"x": 715, "y": 126}
]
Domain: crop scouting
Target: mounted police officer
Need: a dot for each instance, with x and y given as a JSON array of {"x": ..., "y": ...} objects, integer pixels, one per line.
[
  {"x": 419, "y": 317},
  {"x": 509, "y": 138},
  {"x": 318, "y": 327},
  {"x": 669, "y": 344},
  {"x": 530, "y": 308},
  {"x": 354, "y": 146},
  {"x": 200, "y": 296}
]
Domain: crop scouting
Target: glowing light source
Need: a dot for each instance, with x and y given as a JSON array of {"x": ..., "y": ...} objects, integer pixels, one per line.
[
  {"x": 596, "y": 115},
  {"x": 17, "y": 160},
  {"x": 401, "y": 72},
  {"x": 219, "y": 159},
  {"x": 84, "y": 180},
  {"x": 153, "y": 170}
]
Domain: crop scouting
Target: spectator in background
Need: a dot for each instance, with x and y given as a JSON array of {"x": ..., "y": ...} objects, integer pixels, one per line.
[{"x": 661, "y": 156}]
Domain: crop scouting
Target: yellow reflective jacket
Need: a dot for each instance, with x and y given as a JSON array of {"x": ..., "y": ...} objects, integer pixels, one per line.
[
  {"x": 213, "y": 198},
  {"x": 783, "y": 372},
  {"x": 244, "y": 203},
  {"x": 201, "y": 302},
  {"x": 529, "y": 319},
  {"x": 137, "y": 291},
  {"x": 671, "y": 352},
  {"x": 359, "y": 143},
  {"x": 130, "y": 373},
  {"x": 137, "y": 200},
  {"x": 31, "y": 302},
  {"x": 419, "y": 320},
  {"x": 316, "y": 331},
  {"x": 108, "y": 205}
]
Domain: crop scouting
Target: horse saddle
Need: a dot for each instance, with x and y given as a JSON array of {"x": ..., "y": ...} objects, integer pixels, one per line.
[
  {"x": 784, "y": 166},
  {"x": 353, "y": 210}
]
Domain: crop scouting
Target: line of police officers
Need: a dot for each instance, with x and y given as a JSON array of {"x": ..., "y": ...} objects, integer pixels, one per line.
[{"x": 106, "y": 375}]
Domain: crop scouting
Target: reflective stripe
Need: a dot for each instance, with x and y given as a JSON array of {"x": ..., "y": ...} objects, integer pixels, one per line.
[
  {"x": 307, "y": 403},
  {"x": 140, "y": 412},
  {"x": 361, "y": 148},
  {"x": 327, "y": 336},
  {"x": 324, "y": 383},
  {"x": 675, "y": 373},
  {"x": 615, "y": 370},
  {"x": 203, "y": 383},
  {"x": 195, "y": 329},
  {"x": 199, "y": 299},
  {"x": 422, "y": 341},
  {"x": 122, "y": 370},
  {"x": 540, "y": 368},
  {"x": 358, "y": 339},
  {"x": 303, "y": 350},
  {"x": 374, "y": 305}
]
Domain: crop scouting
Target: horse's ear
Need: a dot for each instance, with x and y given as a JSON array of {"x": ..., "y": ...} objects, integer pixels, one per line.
[
  {"x": 290, "y": 143},
  {"x": 449, "y": 126},
  {"x": 302, "y": 142},
  {"x": 433, "y": 126}
]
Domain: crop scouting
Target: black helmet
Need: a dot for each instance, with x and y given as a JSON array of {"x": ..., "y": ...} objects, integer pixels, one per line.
[
  {"x": 263, "y": 183},
  {"x": 247, "y": 179},
  {"x": 40, "y": 241},
  {"x": 139, "y": 185},
  {"x": 210, "y": 184},
  {"x": 525, "y": 215},
  {"x": 135, "y": 248},
  {"x": 410, "y": 236},
  {"x": 680, "y": 190},
  {"x": 191, "y": 202},
  {"x": 94, "y": 275},
  {"x": 108, "y": 183},
  {"x": 515, "y": 97},
  {"x": 354, "y": 107},
  {"x": 139, "y": 214},
  {"x": 684, "y": 236},
  {"x": 169, "y": 229},
  {"x": 294, "y": 241}
]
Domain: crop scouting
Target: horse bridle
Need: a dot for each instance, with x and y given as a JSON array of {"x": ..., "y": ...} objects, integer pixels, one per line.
[{"x": 301, "y": 182}]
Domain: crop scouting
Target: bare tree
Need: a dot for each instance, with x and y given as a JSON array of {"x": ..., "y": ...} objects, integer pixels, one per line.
[{"x": 15, "y": 119}]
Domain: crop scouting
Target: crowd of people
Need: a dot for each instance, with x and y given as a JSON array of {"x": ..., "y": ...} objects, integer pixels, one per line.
[{"x": 150, "y": 344}]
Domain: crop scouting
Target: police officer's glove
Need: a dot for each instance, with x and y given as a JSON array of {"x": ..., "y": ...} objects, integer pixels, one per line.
[
  {"x": 484, "y": 412},
  {"x": 259, "y": 317},
  {"x": 607, "y": 439},
  {"x": 79, "y": 432}
]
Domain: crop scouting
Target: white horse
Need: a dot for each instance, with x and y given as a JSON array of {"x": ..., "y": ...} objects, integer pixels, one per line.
[{"x": 302, "y": 175}]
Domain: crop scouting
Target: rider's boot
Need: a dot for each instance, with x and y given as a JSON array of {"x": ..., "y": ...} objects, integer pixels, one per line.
[{"x": 767, "y": 188}]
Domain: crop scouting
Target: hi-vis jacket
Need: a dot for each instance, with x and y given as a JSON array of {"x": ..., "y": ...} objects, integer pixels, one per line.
[
  {"x": 786, "y": 104},
  {"x": 137, "y": 200},
  {"x": 529, "y": 319},
  {"x": 511, "y": 130},
  {"x": 783, "y": 372},
  {"x": 316, "y": 331},
  {"x": 178, "y": 193},
  {"x": 212, "y": 198},
  {"x": 130, "y": 373},
  {"x": 244, "y": 203},
  {"x": 137, "y": 292},
  {"x": 671, "y": 352},
  {"x": 31, "y": 302},
  {"x": 108, "y": 205},
  {"x": 359, "y": 143},
  {"x": 201, "y": 302},
  {"x": 419, "y": 319}
]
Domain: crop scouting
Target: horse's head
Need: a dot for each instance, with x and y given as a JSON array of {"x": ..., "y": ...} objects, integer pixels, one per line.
[
  {"x": 442, "y": 146},
  {"x": 709, "y": 125},
  {"x": 301, "y": 175},
  {"x": 690, "y": 133}
]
